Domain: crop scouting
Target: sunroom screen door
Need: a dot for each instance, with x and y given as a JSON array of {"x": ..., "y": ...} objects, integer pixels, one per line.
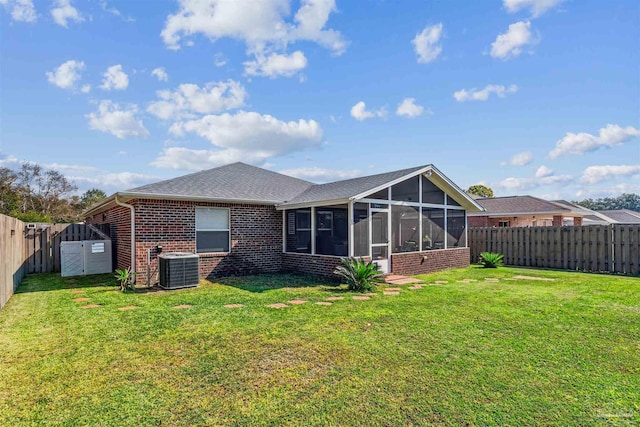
[{"x": 380, "y": 238}]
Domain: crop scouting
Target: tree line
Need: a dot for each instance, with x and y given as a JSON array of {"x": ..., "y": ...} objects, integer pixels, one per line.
[{"x": 35, "y": 194}]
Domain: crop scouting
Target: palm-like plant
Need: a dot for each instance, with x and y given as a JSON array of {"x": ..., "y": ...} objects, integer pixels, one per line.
[
  {"x": 360, "y": 275},
  {"x": 491, "y": 259},
  {"x": 125, "y": 279}
]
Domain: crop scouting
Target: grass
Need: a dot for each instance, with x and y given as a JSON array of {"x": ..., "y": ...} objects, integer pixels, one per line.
[{"x": 520, "y": 352}]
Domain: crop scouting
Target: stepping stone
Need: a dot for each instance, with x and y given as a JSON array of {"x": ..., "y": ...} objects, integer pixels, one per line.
[
  {"x": 440, "y": 282},
  {"x": 128, "y": 307},
  {"x": 391, "y": 293},
  {"x": 335, "y": 298},
  {"x": 361, "y": 297},
  {"x": 278, "y": 305},
  {"x": 324, "y": 303},
  {"x": 81, "y": 299},
  {"x": 370, "y": 294},
  {"x": 76, "y": 291},
  {"x": 179, "y": 307},
  {"x": 414, "y": 288},
  {"x": 491, "y": 280},
  {"x": 391, "y": 277},
  {"x": 234, "y": 305},
  {"x": 393, "y": 289},
  {"x": 297, "y": 301},
  {"x": 405, "y": 281},
  {"x": 91, "y": 306}
]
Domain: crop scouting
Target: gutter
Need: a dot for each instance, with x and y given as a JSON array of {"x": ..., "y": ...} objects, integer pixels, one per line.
[{"x": 133, "y": 233}]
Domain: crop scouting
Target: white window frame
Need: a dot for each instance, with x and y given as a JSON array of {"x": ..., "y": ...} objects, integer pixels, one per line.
[{"x": 228, "y": 229}]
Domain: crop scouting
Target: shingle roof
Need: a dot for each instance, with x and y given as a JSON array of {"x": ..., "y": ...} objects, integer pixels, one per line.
[
  {"x": 345, "y": 189},
  {"x": 622, "y": 216},
  {"x": 518, "y": 204},
  {"x": 236, "y": 181}
]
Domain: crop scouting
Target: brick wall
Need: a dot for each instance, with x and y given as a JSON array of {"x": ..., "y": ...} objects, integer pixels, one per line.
[
  {"x": 318, "y": 265},
  {"x": 429, "y": 261},
  {"x": 119, "y": 220},
  {"x": 256, "y": 237}
]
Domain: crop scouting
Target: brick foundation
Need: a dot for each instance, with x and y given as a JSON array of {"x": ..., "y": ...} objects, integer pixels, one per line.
[
  {"x": 317, "y": 265},
  {"x": 429, "y": 261}
]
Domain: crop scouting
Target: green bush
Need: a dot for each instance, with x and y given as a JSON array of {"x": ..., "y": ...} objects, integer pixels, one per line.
[
  {"x": 360, "y": 275},
  {"x": 491, "y": 259},
  {"x": 125, "y": 279}
]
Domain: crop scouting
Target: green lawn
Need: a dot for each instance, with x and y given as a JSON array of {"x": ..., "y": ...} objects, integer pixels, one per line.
[{"x": 513, "y": 352}]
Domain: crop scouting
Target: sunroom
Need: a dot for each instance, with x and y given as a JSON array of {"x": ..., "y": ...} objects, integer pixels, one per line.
[{"x": 399, "y": 220}]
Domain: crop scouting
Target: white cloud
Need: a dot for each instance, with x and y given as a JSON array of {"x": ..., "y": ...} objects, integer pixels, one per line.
[
  {"x": 483, "y": 94},
  {"x": 520, "y": 159},
  {"x": 543, "y": 177},
  {"x": 590, "y": 191},
  {"x": 536, "y": 7},
  {"x": 115, "y": 180},
  {"x": 317, "y": 174},
  {"x": 243, "y": 136},
  {"x": 580, "y": 143},
  {"x": 190, "y": 99},
  {"x": 66, "y": 75},
  {"x": 597, "y": 174},
  {"x": 160, "y": 74},
  {"x": 21, "y": 10},
  {"x": 219, "y": 60},
  {"x": 85, "y": 88},
  {"x": 427, "y": 43},
  {"x": 8, "y": 160},
  {"x": 115, "y": 12},
  {"x": 510, "y": 44},
  {"x": 64, "y": 12},
  {"x": 115, "y": 78},
  {"x": 359, "y": 112},
  {"x": 543, "y": 171},
  {"x": 120, "y": 122},
  {"x": 261, "y": 25},
  {"x": 409, "y": 108},
  {"x": 276, "y": 65}
]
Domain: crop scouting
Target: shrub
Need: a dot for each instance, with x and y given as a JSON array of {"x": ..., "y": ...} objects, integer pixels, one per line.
[
  {"x": 491, "y": 259},
  {"x": 359, "y": 275},
  {"x": 125, "y": 279}
]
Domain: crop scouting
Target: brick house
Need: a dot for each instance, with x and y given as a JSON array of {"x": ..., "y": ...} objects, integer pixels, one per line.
[
  {"x": 526, "y": 211},
  {"x": 242, "y": 219}
]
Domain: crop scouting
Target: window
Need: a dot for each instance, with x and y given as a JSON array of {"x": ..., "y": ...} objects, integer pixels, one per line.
[
  {"x": 431, "y": 193},
  {"x": 332, "y": 229},
  {"x": 299, "y": 231},
  {"x": 325, "y": 221},
  {"x": 212, "y": 230},
  {"x": 432, "y": 229},
  {"x": 456, "y": 229},
  {"x": 406, "y": 191},
  {"x": 405, "y": 226},
  {"x": 506, "y": 223}
]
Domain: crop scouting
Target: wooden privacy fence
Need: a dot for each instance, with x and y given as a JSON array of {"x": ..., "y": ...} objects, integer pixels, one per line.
[
  {"x": 606, "y": 248},
  {"x": 36, "y": 249}
]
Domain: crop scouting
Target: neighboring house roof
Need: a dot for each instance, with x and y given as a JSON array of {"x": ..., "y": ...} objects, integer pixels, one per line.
[
  {"x": 236, "y": 181},
  {"x": 242, "y": 183},
  {"x": 622, "y": 216},
  {"x": 519, "y": 205}
]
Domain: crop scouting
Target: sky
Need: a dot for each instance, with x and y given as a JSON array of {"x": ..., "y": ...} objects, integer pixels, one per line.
[{"x": 538, "y": 97}]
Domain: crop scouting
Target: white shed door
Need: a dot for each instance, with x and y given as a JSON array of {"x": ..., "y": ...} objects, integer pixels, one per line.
[{"x": 71, "y": 259}]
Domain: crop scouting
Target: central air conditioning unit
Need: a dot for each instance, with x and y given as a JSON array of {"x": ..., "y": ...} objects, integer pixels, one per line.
[{"x": 178, "y": 270}]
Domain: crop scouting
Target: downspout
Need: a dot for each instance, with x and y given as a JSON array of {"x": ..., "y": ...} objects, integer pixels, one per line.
[{"x": 133, "y": 234}]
